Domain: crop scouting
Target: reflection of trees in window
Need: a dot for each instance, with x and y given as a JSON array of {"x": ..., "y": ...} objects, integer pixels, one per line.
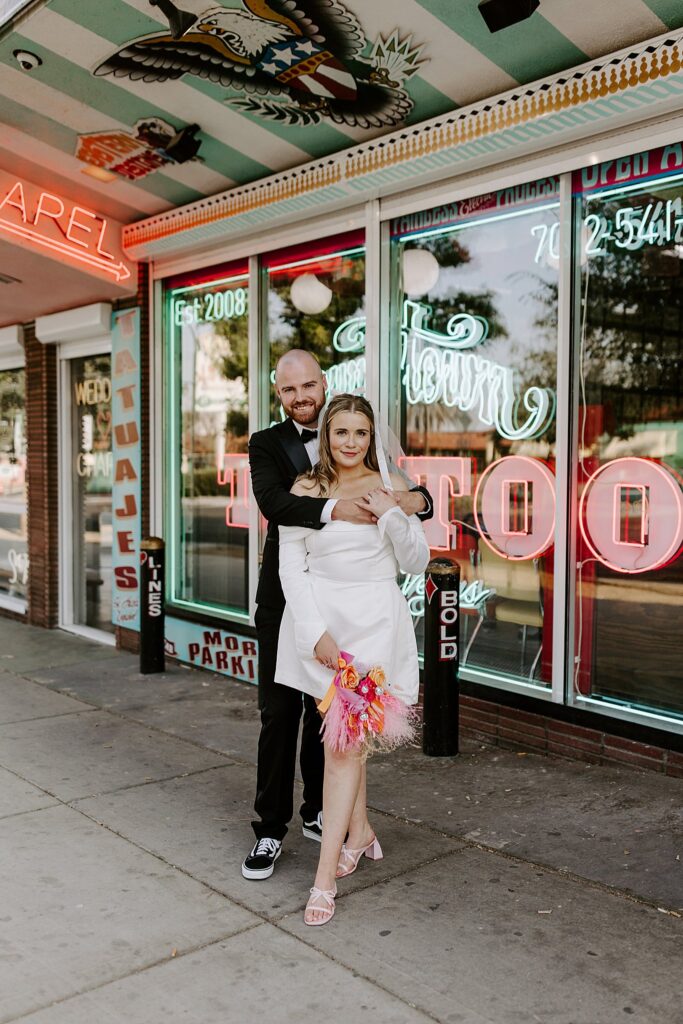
[
  {"x": 450, "y": 251},
  {"x": 632, "y": 310},
  {"x": 630, "y": 331},
  {"x": 436, "y": 424},
  {"x": 290, "y": 328},
  {"x": 12, "y": 442},
  {"x": 234, "y": 365},
  {"x": 537, "y": 363},
  {"x": 220, "y": 356}
]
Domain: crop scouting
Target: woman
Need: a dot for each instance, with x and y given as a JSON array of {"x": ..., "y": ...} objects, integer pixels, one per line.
[{"x": 343, "y": 602}]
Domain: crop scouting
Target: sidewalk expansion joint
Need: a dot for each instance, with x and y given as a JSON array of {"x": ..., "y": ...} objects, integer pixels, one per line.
[
  {"x": 29, "y": 810},
  {"x": 177, "y": 956},
  {"x": 570, "y": 876},
  {"x": 44, "y": 718},
  {"x": 147, "y": 782},
  {"x": 105, "y": 792}
]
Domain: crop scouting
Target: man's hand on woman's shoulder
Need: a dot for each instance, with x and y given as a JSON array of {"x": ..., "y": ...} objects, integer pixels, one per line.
[{"x": 411, "y": 502}]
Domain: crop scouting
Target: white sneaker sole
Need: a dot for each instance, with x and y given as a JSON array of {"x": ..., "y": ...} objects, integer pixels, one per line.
[
  {"x": 311, "y": 835},
  {"x": 257, "y": 873}
]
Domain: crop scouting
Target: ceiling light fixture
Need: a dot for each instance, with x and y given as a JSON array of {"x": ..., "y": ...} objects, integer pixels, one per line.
[
  {"x": 309, "y": 294},
  {"x": 499, "y": 14},
  {"x": 420, "y": 272}
]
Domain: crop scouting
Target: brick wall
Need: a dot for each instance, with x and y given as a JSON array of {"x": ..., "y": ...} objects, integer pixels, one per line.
[
  {"x": 42, "y": 480},
  {"x": 523, "y": 730}
]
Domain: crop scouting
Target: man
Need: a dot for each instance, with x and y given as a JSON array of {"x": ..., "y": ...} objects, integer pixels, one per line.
[{"x": 276, "y": 457}]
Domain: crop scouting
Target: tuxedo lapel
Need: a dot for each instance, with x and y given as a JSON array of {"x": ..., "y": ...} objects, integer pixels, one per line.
[{"x": 290, "y": 440}]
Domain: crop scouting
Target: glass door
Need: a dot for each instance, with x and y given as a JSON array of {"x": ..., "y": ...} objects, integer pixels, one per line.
[{"x": 91, "y": 486}]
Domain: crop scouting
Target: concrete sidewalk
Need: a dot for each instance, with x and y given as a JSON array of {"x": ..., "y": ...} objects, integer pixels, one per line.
[{"x": 514, "y": 889}]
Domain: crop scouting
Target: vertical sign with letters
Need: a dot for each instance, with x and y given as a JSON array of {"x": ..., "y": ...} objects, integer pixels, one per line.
[{"x": 126, "y": 488}]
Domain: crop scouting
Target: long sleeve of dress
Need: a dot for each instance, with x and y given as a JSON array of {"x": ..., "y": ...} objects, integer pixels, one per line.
[
  {"x": 308, "y": 623},
  {"x": 408, "y": 539}
]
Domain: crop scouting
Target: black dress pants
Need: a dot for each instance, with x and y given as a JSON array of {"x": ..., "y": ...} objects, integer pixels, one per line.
[{"x": 281, "y": 708}]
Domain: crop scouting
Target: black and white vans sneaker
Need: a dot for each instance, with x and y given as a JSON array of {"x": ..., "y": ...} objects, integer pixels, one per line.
[
  {"x": 314, "y": 829},
  {"x": 260, "y": 863}
]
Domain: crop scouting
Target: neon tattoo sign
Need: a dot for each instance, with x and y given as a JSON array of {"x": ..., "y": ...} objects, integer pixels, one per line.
[
  {"x": 442, "y": 368},
  {"x": 631, "y": 515},
  {"x": 514, "y": 507}
]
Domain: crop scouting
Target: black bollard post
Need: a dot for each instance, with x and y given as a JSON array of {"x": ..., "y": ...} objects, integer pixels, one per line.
[
  {"x": 441, "y": 658},
  {"x": 152, "y": 606}
]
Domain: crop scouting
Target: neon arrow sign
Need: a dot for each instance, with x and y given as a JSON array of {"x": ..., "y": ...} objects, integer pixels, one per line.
[
  {"x": 60, "y": 227},
  {"x": 118, "y": 270}
]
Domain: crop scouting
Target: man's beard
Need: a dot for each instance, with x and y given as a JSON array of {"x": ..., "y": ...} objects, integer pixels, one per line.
[{"x": 306, "y": 413}]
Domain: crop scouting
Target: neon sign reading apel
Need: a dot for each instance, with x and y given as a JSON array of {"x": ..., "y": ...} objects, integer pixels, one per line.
[
  {"x": 443, "y": 368},
  {"x": 56, "y": 227}
]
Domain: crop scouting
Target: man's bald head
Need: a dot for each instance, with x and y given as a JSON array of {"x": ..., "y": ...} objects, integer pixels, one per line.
[
  {"x": 300, "y": 385},
  {"x": 295, "y": 359}
]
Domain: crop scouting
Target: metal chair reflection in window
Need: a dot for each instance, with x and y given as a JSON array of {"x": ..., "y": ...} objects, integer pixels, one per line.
[{"x": 518, "y": 595}]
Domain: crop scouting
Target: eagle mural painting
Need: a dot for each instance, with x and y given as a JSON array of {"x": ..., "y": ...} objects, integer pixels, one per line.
[{"x": 297, "y": 61}]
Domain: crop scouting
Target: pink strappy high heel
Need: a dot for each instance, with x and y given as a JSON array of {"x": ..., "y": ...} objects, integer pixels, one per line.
[
  {"x": 321, "y": 900},
  {"x": 348, "y": 859}
]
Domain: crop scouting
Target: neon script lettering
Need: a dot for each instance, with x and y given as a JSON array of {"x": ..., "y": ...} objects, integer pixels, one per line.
[{"x": 442, "y": 368}]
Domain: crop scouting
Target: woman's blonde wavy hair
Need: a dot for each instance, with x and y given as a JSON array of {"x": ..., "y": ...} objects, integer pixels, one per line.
[{"x": 324, "y": 473}]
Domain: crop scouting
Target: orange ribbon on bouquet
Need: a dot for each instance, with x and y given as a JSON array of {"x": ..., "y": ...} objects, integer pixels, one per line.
[{"x": 346, "y": 677}]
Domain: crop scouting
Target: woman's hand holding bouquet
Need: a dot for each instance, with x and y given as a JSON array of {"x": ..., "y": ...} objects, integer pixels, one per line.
[{"x": 326, "y": 651}]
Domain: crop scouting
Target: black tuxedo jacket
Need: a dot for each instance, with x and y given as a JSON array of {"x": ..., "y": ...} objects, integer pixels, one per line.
[{"x": 277, "y": 456}]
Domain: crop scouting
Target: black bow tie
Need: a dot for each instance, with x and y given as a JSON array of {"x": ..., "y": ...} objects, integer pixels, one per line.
[{"x": 308, "y": 435}]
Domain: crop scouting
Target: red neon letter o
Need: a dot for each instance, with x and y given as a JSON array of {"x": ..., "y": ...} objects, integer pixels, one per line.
[
  {"x": 493, "y": 496},
  {"x": 661, "y": 514}
]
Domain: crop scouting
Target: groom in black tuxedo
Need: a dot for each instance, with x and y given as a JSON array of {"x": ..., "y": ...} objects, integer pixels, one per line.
[{"x": 276, "y": 457}]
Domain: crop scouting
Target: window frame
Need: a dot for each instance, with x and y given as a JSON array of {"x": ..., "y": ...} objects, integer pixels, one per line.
[{"x": 18, "y": 605}]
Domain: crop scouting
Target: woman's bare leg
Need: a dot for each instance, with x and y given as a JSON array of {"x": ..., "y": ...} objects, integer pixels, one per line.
[
  {"x": 360, "y": 829},
  {"x": 340, "y": 792}
]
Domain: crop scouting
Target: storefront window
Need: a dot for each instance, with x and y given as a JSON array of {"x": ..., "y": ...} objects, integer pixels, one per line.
[
  {"x": 92, "y": 486},
  {"x": 207, "y": 418},
  {"x": 629, "y": 343},
  {"x": 14, "y": 565},
  {"x": 474, "y": 316},
  {"x": 316, "y": 301}
]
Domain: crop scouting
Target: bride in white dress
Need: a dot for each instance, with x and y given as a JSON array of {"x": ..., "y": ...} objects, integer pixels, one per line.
[{"x": 343, "y": 600}]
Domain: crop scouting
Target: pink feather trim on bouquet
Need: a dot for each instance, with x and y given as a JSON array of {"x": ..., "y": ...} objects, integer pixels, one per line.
[{"x": 360, "y": 714}]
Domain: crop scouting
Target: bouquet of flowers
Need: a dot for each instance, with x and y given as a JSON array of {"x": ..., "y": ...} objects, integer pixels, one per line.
[{"x": 360, "y": 713}]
